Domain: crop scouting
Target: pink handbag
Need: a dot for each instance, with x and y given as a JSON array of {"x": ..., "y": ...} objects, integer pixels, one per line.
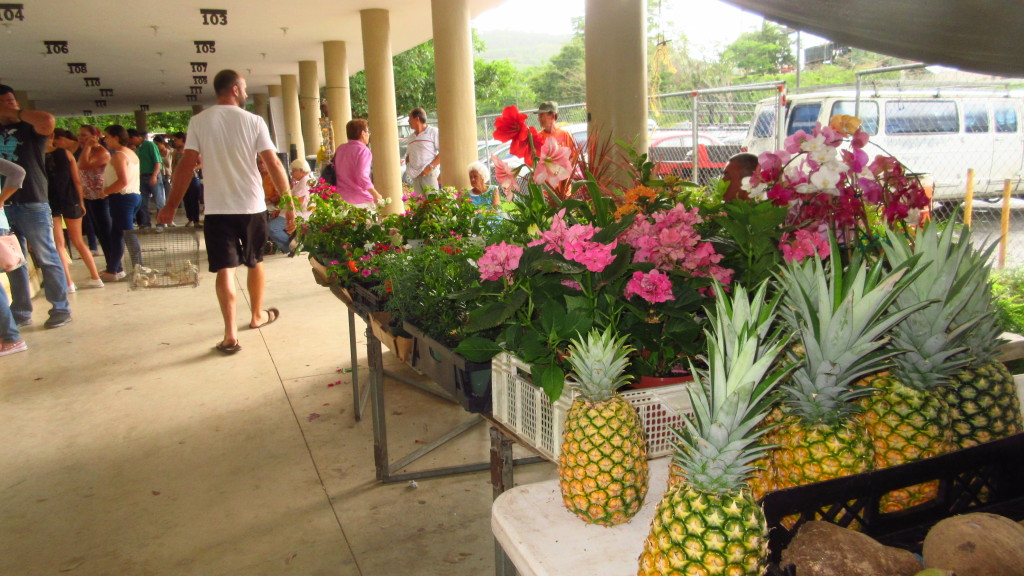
[{"x": 11, "y": 256}]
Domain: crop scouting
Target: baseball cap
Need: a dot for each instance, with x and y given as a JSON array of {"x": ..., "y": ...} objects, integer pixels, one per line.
[{"x": 548, "y": 107}]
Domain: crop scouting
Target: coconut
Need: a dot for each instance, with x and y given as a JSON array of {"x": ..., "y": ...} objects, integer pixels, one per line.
[
  {"x": 977, "y": 544},
  {"x": 824, "y": 549}
]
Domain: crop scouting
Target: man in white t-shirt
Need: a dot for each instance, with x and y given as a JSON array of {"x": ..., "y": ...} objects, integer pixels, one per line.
[
  {"x": 230, "y": 139},
  {"x": 423, "y": 154}
]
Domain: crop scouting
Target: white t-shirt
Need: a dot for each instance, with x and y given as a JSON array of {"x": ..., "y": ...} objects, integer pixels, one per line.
[
  {"x": 422, "y": 149},
  {"x": 229, "y": 138}
]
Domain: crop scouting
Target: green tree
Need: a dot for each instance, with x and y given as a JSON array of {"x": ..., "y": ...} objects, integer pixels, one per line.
[
  {"x": 763, "y": 52},
  {"x": 157, "y": 122},
  {"x": 564, "y": 77}
]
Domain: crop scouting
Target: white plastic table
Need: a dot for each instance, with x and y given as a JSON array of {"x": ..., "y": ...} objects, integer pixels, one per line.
[{"x": 542, "y": 538}]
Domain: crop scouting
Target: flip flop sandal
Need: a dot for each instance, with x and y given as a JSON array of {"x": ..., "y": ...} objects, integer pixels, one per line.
[
  {"x": 229, "y": 349},
  {"x": 272, "y": 315}
]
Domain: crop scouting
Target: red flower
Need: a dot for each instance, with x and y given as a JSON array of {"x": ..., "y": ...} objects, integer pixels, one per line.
[{"x": 511, "y": 126}]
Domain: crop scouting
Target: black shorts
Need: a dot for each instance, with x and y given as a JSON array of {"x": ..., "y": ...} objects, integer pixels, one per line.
[
  {"x": 235, "y": 239},
  {"x": 69, "y": 209}
]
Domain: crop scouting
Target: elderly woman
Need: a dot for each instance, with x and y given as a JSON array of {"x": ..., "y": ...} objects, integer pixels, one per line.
[{"x": 481, "y": 193}]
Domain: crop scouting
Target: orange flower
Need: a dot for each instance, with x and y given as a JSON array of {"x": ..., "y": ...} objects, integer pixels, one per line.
[
  {"x": 844, "y": 124},
  {"x": 352, "y": 266}
]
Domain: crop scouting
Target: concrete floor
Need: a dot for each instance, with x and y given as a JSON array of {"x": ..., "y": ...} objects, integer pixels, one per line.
[{"x": 131, "y": 447}]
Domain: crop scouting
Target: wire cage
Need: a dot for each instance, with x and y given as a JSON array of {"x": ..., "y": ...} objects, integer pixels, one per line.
[{"x": 162, "y": 258}]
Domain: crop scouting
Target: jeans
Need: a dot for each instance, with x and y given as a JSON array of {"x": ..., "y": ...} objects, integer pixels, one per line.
[
  {"x": 8, "y": 327},
  {"x": 98, "y": 212},
  {"x": 192, "y": 198},
  {"x": 33, "y": 222},
  {"x": 122, "y": 214},
  {"x": 276, "y": 233},
  {"x": 156, "y": 191}
]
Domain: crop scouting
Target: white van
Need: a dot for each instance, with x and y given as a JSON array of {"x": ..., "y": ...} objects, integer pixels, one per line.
[{"x": 932, "y": 133}]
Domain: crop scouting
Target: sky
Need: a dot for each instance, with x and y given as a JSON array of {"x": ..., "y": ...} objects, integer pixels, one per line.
[{"x": 709, "y": 25}]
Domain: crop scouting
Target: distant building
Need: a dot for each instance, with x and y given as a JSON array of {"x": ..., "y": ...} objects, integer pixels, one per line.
[{"x": 824, "y": 53}]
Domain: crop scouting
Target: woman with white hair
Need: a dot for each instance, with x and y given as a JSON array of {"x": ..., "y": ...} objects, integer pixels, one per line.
[
  {"x": 481, "y": 193},
  {"x": 282, "y": 226}
]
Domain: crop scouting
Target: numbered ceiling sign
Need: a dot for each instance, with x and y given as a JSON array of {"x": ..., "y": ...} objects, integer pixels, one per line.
[
  {"x": 106, "y": 92},
  {"x": 56, "y": 46},
  {"x": 77, "y": 68},
  {"x": 214, "y": 17},
  {"x": 144, "y": 107},
  {"x": 196, "y": 89},
  {"x": 199, "y": 80},
  {"x": 12, "y": 12},
  {"x": 92, "y": 82},
  {"x": 205, "y": 46},
  {"x": 198, "y": 67},
  {"x": 190, "y": 97},
  {"x": 100, "y": 103}
]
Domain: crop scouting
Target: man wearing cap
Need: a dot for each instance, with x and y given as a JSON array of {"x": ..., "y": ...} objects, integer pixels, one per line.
[
  {"x": 547, "y": 115},
  {"x": 423, "y": 155}
]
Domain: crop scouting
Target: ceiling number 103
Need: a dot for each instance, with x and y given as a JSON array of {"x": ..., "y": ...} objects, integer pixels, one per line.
[{"x": 214, "y": 17}]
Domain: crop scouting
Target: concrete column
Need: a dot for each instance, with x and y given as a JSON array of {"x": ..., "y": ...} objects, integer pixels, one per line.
[
  {"x": 339, "y": 98},
  {"x": 274, "y": 91},
  {"x": 380, "y": 96},
  {"x": 141, "y": 122},
  {"x": 456, "y": 97},
  {"x": 292, "y": 120},
  {"x": 309, "y": 105},
  {"x": 617, "y": 73},
  {"x": 196, "y": 109},
  {"x": 23, "y": 100},
  {"x": 262, "y": 104}
]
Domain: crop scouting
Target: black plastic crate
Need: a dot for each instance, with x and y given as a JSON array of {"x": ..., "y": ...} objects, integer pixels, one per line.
[
  {"x": 468, "y": 382},
  {"x": 365, "y": 300}
]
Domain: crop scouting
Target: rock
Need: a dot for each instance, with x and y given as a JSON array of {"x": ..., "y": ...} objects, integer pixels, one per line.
[
  {"x": 824, "y": 549},
  {"x": 934, "y": 572},
  {"x": 977, "y": 544}
]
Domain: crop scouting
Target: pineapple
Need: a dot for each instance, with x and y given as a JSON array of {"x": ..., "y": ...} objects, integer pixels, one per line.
[
  {"x": 603, "y": 462},
  {"x": 841, "y": 317},
  {"x": 710, "y": 523},
  {"x": 983, "y": 402},
  {"x": 908, "y": 418}
]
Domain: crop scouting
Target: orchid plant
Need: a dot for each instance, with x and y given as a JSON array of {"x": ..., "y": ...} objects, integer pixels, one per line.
[{"x": 829, "y": 183}]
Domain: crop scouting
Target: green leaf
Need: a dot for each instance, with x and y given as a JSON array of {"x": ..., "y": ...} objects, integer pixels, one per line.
[
  {"x": 477, "y": 348},
  {"x": 550, "y": 378}
]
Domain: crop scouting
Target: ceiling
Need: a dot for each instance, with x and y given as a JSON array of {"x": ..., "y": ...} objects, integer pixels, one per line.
[{"x": 142, "y": 52}]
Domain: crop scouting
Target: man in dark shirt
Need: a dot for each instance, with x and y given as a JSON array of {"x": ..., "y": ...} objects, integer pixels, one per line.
[{"x": 23, "y": 139}]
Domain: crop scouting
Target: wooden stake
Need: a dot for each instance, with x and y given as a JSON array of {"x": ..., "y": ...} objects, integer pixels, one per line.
[
  {"x": 1004, "y": 225},
  {"x": 969, "y": 199}
]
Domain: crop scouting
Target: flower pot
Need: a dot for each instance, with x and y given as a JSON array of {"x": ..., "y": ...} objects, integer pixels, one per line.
[{"x": 659, "y": 381}]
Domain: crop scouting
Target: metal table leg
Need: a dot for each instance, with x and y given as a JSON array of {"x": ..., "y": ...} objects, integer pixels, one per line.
[
  {"x": 359, "y": 397},
  {"x": 502, "y": 467}
]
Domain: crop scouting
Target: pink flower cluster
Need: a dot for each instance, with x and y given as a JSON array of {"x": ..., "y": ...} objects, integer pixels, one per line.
[
  {"x": 574, "y": 243},
  {"x": 805, "y": 243},
  {"x": 670, "y": 242},
  {"x": 654, "y": 286},
  {"x": 825, "y": 185},
  {"x": 499, "y": 261}
]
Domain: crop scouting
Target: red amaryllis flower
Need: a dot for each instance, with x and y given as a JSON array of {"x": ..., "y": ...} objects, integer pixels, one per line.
[{"x": 511, "y": 126}]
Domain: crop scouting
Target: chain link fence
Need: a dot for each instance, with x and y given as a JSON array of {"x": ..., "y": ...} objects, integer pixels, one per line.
[{"x": 963, "y": 137}]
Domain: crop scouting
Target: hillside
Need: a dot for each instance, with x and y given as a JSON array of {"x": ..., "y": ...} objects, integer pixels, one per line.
[{"x": 523, "y": 49}]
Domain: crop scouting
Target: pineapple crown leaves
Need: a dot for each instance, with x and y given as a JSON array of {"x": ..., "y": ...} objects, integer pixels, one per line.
[
  {"x": 598, "y": 364},
  {"x": 983, "y": 342},
  {"x": 842, "y": 317},
  {"x": 718, "y": 444},
  {"x": 954, "y": 276}
]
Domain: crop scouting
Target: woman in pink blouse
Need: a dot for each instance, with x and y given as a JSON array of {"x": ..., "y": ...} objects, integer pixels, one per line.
[{"x": 352, "y": 167}]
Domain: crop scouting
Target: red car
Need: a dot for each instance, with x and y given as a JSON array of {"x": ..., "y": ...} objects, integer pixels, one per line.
[{"x": 672, "y": 153}]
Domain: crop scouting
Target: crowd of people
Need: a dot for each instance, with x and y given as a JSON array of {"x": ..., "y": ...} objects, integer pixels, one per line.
[
  {"x": 98, "y": 186},
  {"x": 88, "y": 191}
]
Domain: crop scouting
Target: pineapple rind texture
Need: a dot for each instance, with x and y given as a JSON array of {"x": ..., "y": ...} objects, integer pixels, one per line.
[
  {"x": 603, "y": 466},
  {"x": 706, "y": 533},
  {"x": 810, "y": 453},
  {"x": 983, "y": 404}
]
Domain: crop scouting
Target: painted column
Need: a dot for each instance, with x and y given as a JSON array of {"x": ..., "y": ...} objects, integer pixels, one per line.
[
  {"x": 380, "y": 96},
  {"x": 196, "y": 109},
  {"x": 275, "y": 121},
  {"x": 292, "y": 120},
  {"x": 262, "y": 105},
  {"x": 456, "y": 97},
  {"x": 24, "y": 101},
  {"x": 617, "y": 73},
  {"x": 309, "y": 106},
  {"x": 141, "y": 122},
  {"x": 339, "y": 97}
]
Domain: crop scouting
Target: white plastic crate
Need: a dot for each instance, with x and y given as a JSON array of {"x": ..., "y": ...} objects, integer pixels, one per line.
[{"x": 526, "y": 410}]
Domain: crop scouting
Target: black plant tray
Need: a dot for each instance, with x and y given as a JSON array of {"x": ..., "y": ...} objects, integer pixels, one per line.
[
  {"x": 985, "y": 478},
  {"x": 365, "y": 300},
  {"x": 468, "y": 382}
]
